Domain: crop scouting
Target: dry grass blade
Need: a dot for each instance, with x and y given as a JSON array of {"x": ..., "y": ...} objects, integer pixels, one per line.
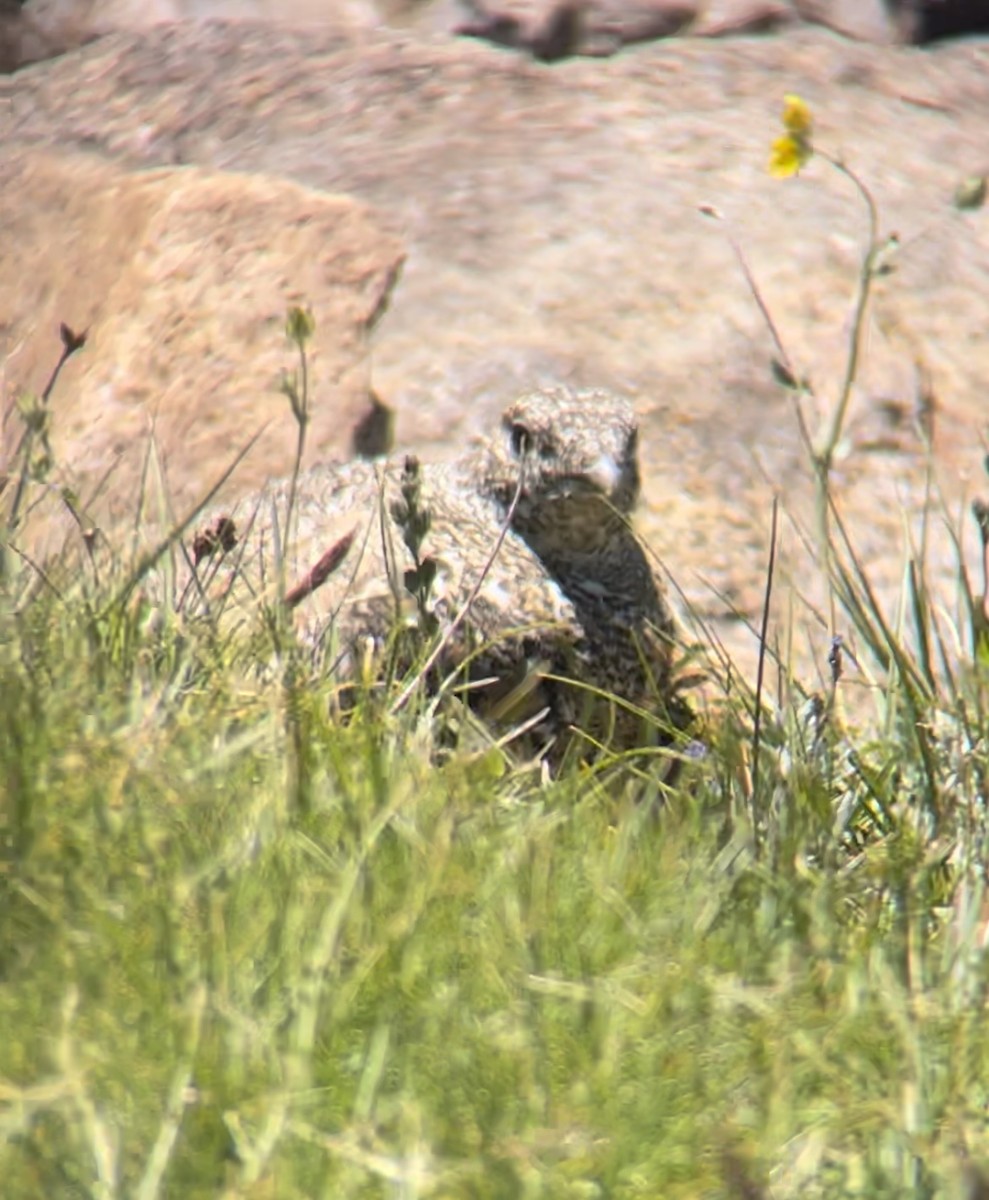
[{"x": 321, "y": 571}]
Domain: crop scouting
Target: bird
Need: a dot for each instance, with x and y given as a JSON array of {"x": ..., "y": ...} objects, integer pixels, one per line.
[{"x": 518, "y": 558}]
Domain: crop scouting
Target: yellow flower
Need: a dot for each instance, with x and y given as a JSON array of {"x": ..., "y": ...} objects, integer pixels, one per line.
[
  {"x": 788, "y": 156},
  {"x": 793, "y": 149},
  {"x": 796, "y": 117}
]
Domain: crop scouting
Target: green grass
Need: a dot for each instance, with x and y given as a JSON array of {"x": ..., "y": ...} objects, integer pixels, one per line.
[{"x": 442, "y": 975}]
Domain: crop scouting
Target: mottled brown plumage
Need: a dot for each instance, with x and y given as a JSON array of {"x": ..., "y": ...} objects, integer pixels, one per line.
[{"x": 568, "y": 592}]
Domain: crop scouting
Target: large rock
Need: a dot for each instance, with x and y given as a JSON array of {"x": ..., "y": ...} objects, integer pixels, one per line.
[
  {"x": 867, "y": 20},
  {"x": 182, "y": 278},
  {"x": 34, "y": 30},
  {"x": 549, "y": 30},
  {"x": 555, "y": 29},
  {"x": 554, "y": 233}
]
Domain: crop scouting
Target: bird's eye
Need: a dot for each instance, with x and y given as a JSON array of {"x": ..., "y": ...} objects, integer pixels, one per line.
[{"x": 521, "y": 439}]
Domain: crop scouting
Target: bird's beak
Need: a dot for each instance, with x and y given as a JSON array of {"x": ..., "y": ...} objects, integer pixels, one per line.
[{"x": 613, "y": 479}]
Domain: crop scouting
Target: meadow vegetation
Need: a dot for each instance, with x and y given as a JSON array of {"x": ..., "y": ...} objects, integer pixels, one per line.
[{"x": 248, "y": 949}]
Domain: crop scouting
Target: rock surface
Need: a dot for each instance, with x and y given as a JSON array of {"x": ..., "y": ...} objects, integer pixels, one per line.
[
  {"x": 549, "y": 30},
  {"x": 552, "y": 221},
  {"x": 182, "y": 278}
]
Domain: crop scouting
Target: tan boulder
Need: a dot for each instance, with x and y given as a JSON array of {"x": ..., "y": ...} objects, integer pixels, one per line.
[
  {"x": 866, "y": 20},
  {"x": 725, "y": 18},
  {"x": 34, "y": 30},
  {"x": 182, "y": 278},
  {"x": 555, "y": 29}
]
